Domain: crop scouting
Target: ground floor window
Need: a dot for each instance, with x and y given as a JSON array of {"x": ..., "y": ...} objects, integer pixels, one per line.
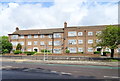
[
  {"x": 57, "y": 50},
  {"x": 90, "y": 49},
  {"x": 80, "y": 49},
  {"x": 29, "y": 49},
  {"x": 72, "y": 50}
]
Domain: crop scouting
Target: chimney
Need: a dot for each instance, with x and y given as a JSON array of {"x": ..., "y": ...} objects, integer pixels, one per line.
[
  {"x": 17, "y": 28},
  {"x": 65, "y": 24}
]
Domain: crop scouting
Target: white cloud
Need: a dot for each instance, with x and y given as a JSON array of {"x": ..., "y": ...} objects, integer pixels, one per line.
[{"x": 33, "y": 16}]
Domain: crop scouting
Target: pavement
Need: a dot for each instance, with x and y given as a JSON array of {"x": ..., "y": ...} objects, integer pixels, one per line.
[{"x": 97, "y": 63}]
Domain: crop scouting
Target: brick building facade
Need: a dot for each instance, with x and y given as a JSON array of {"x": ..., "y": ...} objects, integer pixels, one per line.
[{"x": 76, "y": 39}]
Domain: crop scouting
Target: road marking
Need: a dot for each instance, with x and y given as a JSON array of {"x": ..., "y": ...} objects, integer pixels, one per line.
[
  {"x": 111, "y": 77},
  {"x": 64, "y": 73}
]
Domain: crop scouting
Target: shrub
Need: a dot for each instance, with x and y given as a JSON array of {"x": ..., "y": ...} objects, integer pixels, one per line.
[
  {"x": 80, "y": 52},
  {"x": 106, "y": 52},
  {"x": 67, "y": 51},
  {"x": 30, "y": 53},
  {"x": 17, "y": 52},
  {"x": 97, "y": 52},
  {"x": 5, "y": 51},
  {"x": 44, "y": 50}
]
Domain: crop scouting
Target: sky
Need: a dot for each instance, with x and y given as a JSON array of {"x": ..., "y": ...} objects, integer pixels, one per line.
[{"x": 44, "y": 14}]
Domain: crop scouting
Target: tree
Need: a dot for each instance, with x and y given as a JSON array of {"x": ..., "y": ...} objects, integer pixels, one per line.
[
  {"x": 110, "y": 37},
  {"x": 5, "y": 44},
  {"x": 19, "y": 46}
]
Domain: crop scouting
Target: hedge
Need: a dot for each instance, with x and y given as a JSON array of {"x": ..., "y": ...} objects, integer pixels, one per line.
[
  {"x": 44, "y": 50},
  {"x": 106, "y": 52},
  {"x": 17, "y": 52},
  {"x": 30, "y": 53},
  {"x": 97, "y": 52}
]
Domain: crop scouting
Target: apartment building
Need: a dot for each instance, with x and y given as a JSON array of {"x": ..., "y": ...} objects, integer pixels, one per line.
[{"x": 76, "y": 39}]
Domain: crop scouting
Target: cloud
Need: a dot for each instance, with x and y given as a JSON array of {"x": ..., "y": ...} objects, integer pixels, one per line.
[{"x": 35, "y": 16}]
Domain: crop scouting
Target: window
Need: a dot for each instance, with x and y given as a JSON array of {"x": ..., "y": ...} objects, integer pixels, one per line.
[
  {"x": 29, "y": 49},
  {"x": 80, "y": 33},
  {"x": 80, "y": 49},
  {"x": 29, "y": 36},
  {"x": 35, "y": 42},
  {"x": 72, "y": 33},
  {"x": 57, "y": 35},
  {"x": 57, "y": 43},
  {"x": 14, "y": 37},
  {"x": 72, "y": 50},
  {"x": 42, "y": 43},
  {"x": 21, "y": 36},
  {"x": 35, "y": 36},
  {"x": 98, "y": 32},
  {"x": 97, "y": 41},
  {"x": 80, "y": 41},
  {"x": 22, "y": 43},
  {"x": 90, "y": 33},
  {"x": 57, "y": 50},
  {"x": 50, "y": 43},
  {"x": 14, "y": 43},
  {"x": 41, "y": 36},
  {"x": 118, "y": 50},
  {"x": 50, "y": 36},
  {"x": 72, "y": 41},
  {"x": 29, "y": 43},
  {"x": 90, "y": 41},
  {"x": 90, "y": 49},
  {"x": 108, "y": 49}
]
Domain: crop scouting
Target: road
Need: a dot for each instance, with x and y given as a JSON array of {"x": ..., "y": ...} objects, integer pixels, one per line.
[{"x": 24, "y": 70}]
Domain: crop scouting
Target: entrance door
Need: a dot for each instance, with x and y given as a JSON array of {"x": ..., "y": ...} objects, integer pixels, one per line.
[{"x": 35, "y": 50}]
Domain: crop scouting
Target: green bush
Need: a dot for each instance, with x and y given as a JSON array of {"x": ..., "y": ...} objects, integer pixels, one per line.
[
  {"x": 67, "y": 51},
  {"x": 30, "y": 53},
  {"x": 97, "y": 52},
  {"x": 5, "y": 51},
  {"x": 17, "y": 52},
  {"x": 80, "y": 52},
  {"x": 106, "y": 52},
  {"x": 44, "y": 50}
]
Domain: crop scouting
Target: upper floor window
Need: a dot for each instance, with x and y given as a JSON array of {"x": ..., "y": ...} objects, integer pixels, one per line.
[
  {"x": 14, "y": 37},
  {"x": 72, "y": 33},
  {"x": 90, "y": 41},
  {"x": 21, "y": 36},
  {"x": 57, "y": 35},
  {"x": 35, "y": 36},
  {"x": 97, "y": 40},
  {"x": 22, "y": 43},
  {"x": 41, "y": 36},
  {"x": 14, "y": 43},
  {"x": 90, "y": 33},
  {"x": 35, "y": 42},
  {"x": 57, "y": 43},
  {"x": 98, "y": 32},
  {"x": 80, "y": 33},
  {"x": 50, "y": 43},
  {"x": 29, "y": 36},
  {"x": 72, "y": 41},
  {"x": 42, "y": 43},
  {"x": 80, "y": 41},
  {"x": 29, "y": 43},
  {"x": 50, "y": 36}
]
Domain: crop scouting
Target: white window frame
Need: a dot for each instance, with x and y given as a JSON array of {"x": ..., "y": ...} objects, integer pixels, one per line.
[
  {"x": 90, "y": 41},
  {"x": 80, "y": 49},
  {"x": 42, "y": 36},
  {"x": 14, "y": 37},
  {"x": 29, "y": 36},
  {"x": 57, "y": 50},
  {"x": 14, "y": 43},
  {"x": 80, "y": 41},
  {"x": 29, "y": 49},
  {"x": 57, "y": 43},
  {"x": 72, "y": 50},
  {"x": 72, "y": 33},
  {"x": 35, "y": 42},
  {"x": 57, "y": 35},
  {"x": 80, "y": 33},
  {"x": 90, "y": 33},
  {"x": 35, "y": 36},
  {"x": 50, "y": 43},
  {"x": 29, "y": 43},
  {"x": 22, "y": 43},
  {"x": 72, "y": 41},
  {"x": 42, "y": 43},
  {"x": 49, "y": 36},
  {"x": 98, "y": 32},
  {"x": 90, "y": 49}
]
